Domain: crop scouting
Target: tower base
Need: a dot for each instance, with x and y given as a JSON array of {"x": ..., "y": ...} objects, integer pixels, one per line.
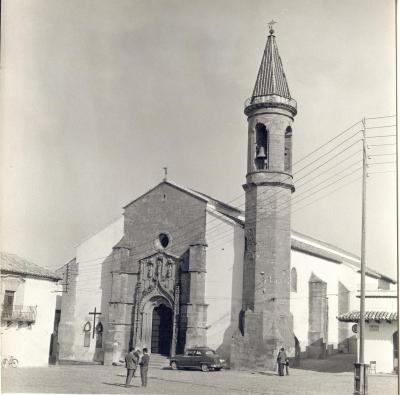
[{"x": 255, "y": 347}]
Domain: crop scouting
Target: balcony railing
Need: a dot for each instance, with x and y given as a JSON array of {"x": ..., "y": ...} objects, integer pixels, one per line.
[
  {"x": 18, "y": 313},
  {"x": 270, "y": 99}
]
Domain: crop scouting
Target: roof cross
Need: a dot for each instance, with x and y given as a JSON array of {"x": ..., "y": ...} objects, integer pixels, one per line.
[
  {"x": 271, "y": 26},
  {"x": 165, "y": 173}
]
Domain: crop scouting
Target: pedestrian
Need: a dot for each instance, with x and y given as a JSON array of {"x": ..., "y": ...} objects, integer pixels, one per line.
[
  {"x": 136, "y": 357},
  {"x": 281, "y": 359},
  {"x": 287, "y": 366},
  {"x": 144, "y": 367},
  {"x": 131, "y": 365}
]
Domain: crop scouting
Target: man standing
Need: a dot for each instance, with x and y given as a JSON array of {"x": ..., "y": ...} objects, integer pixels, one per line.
[
  {"x": 144, "y": 367},
  {"x": 131, "y": 365},
  {"x": 136, "y": 358},
  {"x": 281, "y": 359}
]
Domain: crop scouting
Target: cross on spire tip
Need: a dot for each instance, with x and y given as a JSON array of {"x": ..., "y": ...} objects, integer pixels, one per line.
[{"x": 271, "y": 26}]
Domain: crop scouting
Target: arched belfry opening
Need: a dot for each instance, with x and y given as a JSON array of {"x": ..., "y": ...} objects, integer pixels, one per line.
[
  {"x": 288, "y": 149},
  {"x": 262, "y": 137}
]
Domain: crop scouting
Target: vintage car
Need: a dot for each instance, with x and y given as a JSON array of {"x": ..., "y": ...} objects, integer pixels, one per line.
[{"x": 199, "y": 357}]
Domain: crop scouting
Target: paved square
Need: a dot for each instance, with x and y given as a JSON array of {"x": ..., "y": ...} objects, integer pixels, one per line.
[{"x": 110, "y": 380}]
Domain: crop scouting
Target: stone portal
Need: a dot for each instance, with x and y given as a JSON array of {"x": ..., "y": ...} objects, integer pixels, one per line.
[{"x": 161, "y": 330}]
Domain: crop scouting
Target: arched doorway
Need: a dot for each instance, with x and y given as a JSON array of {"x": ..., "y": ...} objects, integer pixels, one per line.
[{"x": 161, "y": 330}]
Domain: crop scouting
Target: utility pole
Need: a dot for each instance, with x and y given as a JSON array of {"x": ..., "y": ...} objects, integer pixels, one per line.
[
  {"x": 361, "y": 378},
  {"x": 363, "y": 225}
]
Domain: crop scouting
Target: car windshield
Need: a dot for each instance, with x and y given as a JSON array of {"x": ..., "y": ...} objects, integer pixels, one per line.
[{"x": 210, "y": 352}]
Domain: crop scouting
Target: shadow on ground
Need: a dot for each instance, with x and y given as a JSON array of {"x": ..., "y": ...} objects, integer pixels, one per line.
[
  {"x": 266, "y": 373},
  {"x": 122, "y": 385},
  {"x": 338, "y": 363}
]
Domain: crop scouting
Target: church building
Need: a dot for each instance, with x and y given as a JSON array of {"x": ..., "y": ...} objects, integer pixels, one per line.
[{"x": 180, "y": 268}]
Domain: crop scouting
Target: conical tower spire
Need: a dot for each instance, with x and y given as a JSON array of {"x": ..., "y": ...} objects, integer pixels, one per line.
[
  {"x": 271, "y": 79},
  {"x": 271, "y": 86}
]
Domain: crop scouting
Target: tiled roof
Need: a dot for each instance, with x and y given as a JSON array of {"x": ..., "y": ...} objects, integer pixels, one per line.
[
  {"x": 11, "y": 263},
  {"x": 271, "y": 79},
  {"x": 354, "y": 316}
]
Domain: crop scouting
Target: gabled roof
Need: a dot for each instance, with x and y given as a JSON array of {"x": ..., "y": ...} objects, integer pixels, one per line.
[
  {"x": 354, "y": 316},
  {"x": 271, "y": 79},
  {"x": 223, "y": 208},
  {"x": 299, "y": 241},
  {"x": 11, "y": 263},
  {"x": 172, "y": 184}
]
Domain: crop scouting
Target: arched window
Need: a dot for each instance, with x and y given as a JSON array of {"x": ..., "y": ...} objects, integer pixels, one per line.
[
  {"x": 261, "y": 157},
  {"x": 288, "y": 149},
  {"x": 293, "y": 280}
]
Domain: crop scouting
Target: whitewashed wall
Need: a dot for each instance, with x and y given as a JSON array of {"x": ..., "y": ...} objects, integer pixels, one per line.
[
  {"x": 31, "y": 345},
  {"x": 225, "y": 240},
  {"x": 378, "y": 345},
  {"x": 93, "y": 286},
  {"x": 330, "y": 272}
]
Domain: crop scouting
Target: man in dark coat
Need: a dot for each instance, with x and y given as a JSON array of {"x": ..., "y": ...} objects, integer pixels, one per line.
[
  {"x": 281, "y": 359},
  {"x": 144, "y": 367},
  {"x": 131, "y": 365}
]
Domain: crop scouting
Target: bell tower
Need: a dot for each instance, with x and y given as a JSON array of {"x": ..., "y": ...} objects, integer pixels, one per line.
[{"x": 265, "y": 322}]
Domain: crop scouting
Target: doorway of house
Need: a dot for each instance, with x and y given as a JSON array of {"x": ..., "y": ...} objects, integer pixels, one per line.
[{"x": 161, "y": 331}]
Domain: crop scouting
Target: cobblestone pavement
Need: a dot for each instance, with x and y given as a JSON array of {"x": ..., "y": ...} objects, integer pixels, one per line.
[{"x": 109, "y": 380}]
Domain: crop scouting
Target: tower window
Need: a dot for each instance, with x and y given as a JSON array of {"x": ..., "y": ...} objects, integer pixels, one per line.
[
  {"x": 288, "y": 149},
  {"x": 261, "y": 154}
]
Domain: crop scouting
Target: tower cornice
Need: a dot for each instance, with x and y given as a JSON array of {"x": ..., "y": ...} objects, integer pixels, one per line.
[{"x": 270, "y": 101}]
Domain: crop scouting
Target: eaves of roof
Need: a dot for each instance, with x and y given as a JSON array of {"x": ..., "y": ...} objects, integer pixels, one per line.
[{"x": 354, "y": 316}]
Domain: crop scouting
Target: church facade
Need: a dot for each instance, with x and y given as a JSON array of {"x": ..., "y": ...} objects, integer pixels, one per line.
[{"x": 180, "y": 268}]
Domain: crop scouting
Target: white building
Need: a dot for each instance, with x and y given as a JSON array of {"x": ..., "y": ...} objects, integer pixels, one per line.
[
  {"x": 381, "y": 335},
  {"x": 324, "y": 285},
  {"x": 29, "y": 303}
]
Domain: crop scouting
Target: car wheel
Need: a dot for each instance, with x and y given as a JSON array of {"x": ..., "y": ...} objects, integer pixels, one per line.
[
  {"x": 204, "y": 367},
  {"x": 174, "y": 365},
  {"x": 14, "y": 363}
]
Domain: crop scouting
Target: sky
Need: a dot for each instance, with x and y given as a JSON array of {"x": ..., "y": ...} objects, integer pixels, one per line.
[{"x": 99, "y": 96}]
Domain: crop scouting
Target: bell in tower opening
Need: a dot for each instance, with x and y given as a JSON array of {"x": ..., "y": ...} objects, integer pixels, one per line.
[{"x": 261, "y": 160}]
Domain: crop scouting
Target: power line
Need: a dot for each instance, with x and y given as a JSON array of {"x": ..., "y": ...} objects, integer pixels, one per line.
[
  {"x": 383, "y": 135},
  {"x": 387, "y": 116},
  {"x": 296, "y": 172},
  {"x": 326, "y": 195},
  {"x": 381, "y": 127}
]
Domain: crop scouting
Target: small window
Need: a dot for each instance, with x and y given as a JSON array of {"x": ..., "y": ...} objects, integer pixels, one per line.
[
  {"x": 382, "y": 284},
  {"x": 197, "y": 353},
  {"x": 162, "y": 241},
  {"x": 210, "y": 352},
  {"x": 8, "y": 299},
  {"x": 293, "y": 280}
]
